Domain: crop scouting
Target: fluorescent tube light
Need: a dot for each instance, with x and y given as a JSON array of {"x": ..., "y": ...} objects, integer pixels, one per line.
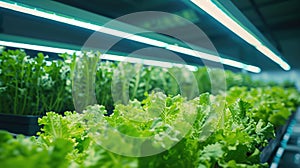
[
  {"x": 82, "y": 24},
  {"x": 273, "y": 56},
  {"x": 229, "y": 62},
  {"x": 209, "y": 7},
  {"x": 163, "y": 64},
  {"x": 194, "y": 53},
  {"x": 252, "y": 68},
  {"x": 240, "y": 65},
  {"x": 214, "y": 58},
  {"x": 36, "y": 47},
  {"x": 72, "y": 21},
  {"x": 110, "y": 57}
]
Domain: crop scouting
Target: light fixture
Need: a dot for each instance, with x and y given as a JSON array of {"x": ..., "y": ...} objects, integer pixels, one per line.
[
  {"x": 213, "y": 10},
  {"x": 163, "y": 64},
  {"x": 194, "y": 53},
  {"x": 273, "y": 56},
  {"x": 36, "y": 47},
  {"x": 73, "y": 21},
  {"x": 214, "y": 58},
  {"x": 110, "y": 57},
  {"x": 240, "y": 65}
]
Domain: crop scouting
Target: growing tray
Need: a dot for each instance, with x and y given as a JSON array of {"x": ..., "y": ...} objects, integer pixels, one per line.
[
  {"x": 19, "y": 124},
  {"x": 268, "y": 152}
]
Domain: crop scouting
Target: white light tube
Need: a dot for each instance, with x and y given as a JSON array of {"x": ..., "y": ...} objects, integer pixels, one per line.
[
  {"x": 163, "y": 64},
  {"x": 240, "y": 65},
  {"x": 36, "y": 47},
  {"x": 229, "y": 62},
  {"x": 82, "y": 24},
  {"x": 103, "y": 56},
  {"x": 113, "y": 32},
  {"x": 209, "y": 7},
  {"x": 273, "y": 56},
  {"x": 214, "y": 58},
  {"x": 194, "y": 53}
]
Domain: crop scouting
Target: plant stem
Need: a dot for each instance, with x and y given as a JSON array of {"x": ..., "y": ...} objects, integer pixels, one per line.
[
  {"x": 16, "y": 94},
  {"x": 26, "y": 80},
  {"x": 37, "y": 93},
  {"x": 137, "y": 81}
]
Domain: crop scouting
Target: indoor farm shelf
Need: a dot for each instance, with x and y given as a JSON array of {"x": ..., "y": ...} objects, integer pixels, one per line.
[{"x": 229, "y": 128}]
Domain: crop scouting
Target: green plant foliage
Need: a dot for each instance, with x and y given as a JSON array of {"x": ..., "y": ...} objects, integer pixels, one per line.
[
  {"x": 221, "y": 130},
  {"x": 30, "y": 86},
  {"x": 20, "y": 80},
  {"x": 103, "y": 84},
  {"x": 33, "y": 85},
  {"x": 29, "y": 153},
  {"x": 83, "y": 79}
]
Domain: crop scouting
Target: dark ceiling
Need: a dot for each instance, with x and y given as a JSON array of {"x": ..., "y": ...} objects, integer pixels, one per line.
[{"x": 277, "y": 20}]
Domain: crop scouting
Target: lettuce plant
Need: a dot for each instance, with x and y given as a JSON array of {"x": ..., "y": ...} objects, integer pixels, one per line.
[{"x": 207, "y": 131}]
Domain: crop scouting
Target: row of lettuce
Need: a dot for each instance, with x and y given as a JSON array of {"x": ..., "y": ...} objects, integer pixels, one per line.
[
  {"x": 33, "y": 85},
  {"x": 129, "y": 115},
  {"x": 224, "y": 130}
]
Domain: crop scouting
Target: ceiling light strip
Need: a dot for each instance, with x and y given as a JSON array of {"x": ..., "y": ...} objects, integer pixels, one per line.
[
  {"x": 146, "y": 62},
  {"x": 224, "y": 61},
  {"x": 240, "y": 65},
  {"x": 113, "y": 32},
  {"x": 214, "y": 58},
  {"x": 110, "y": 57},
  {"x": 36, "y": 47},
  {"x": 194, "y": 53},
  {"x": 82, "y": 24},
  {"x": 265, "y": 50},
  {"x": 209, "y": 7}
]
